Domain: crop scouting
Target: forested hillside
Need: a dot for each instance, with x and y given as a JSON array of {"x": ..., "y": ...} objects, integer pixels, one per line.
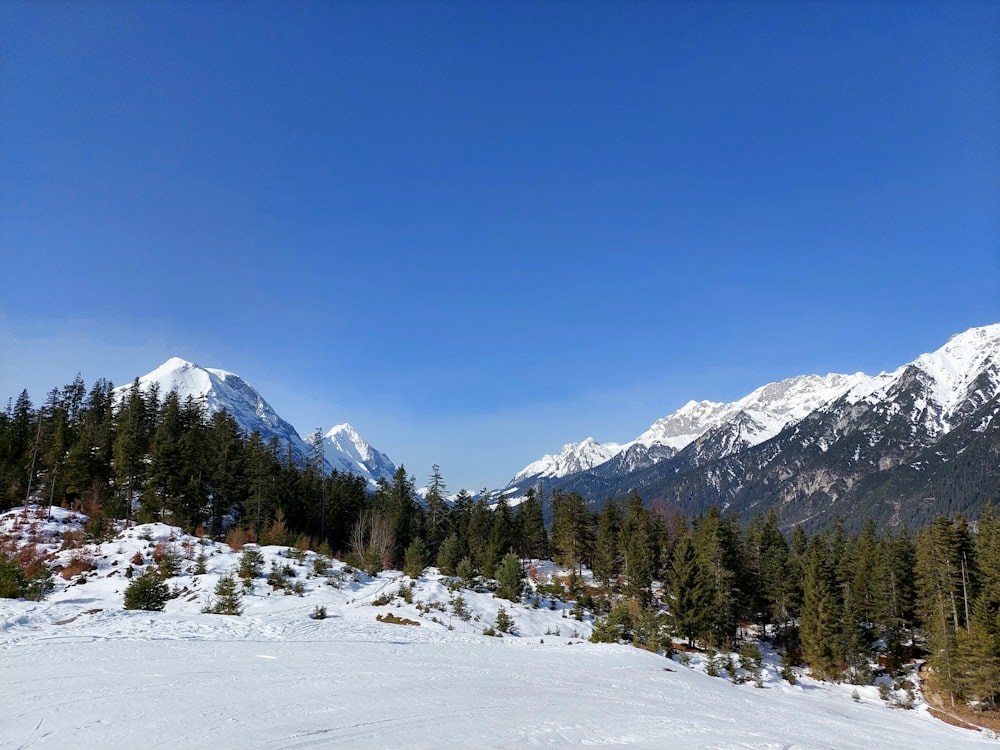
[{"x": 851, "y": 606}]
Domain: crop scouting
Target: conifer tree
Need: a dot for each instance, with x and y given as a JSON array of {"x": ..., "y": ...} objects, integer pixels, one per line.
[
  {"x": 227, "y": 600},
  {"x": 820, "y": 613},
  {"x": 635, "y": 548},
  {"x": 530, "y": 523},
  {"x": 510, "y": 577},
  {"x": 690, "y": 593},
  {"x": 437, "y": 524},
  {"x": 416, "y": 558},
  {"x": 148, "y": 592},
  {"x": 941, "y": 584},
  {"x": 571, "y": 535},
  {"x": 449, "y": 555},
  {"x": 607, "y": 559}
]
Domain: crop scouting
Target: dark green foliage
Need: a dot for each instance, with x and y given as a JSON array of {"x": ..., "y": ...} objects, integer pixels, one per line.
[
  {"x": 510, "y": 578},
  {"x": 572, "y": 533},
  {"x": 615, "y": 627},
  {"x": 505, "y": 623},
  {"x": 227, "y": 600},
  {"x": 416, "y": 558},
  {"x": 251, "y": 564},
  {"x": 690, "y": 594},
  {"x": 635, "y": 549},
  {"x": 148, "y": 592},
  {"x": 532, "y": 539},
  {"x": 465, "y": 571},
  {"x": 17, "y": 583},
  {"x": 449, "y": 555},
  {"x": 607, "y": 562}
]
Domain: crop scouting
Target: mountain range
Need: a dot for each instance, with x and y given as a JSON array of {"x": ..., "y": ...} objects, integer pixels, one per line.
[
  {"x": 898, "y": 447},
  {"x": 217, "y": 390}
]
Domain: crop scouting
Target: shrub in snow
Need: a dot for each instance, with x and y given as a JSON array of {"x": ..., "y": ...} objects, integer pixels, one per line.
[
  {"x": 201, "y": 564},
  {"x": 505, "y": 623},
  {"x": 148, "y": 592},
  {"x": 510, "y": 577},
  {"x": 25, "y": 575},
  {"x": 227, "y": 598},
  {"x": 465, "y": 571},
  {"x": 319, "y": 613},
  {"x": 320, "y": 565},
  {"x": 251, "y": 563}
]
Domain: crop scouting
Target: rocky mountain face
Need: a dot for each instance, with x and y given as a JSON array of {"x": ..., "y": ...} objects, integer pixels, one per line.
[
  {"x": 899, "y": 447},
  {"x": 217, "y": 390}
]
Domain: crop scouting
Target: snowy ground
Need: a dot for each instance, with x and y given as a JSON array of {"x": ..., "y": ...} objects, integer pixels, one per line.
[{"x": 78, "y": 671}]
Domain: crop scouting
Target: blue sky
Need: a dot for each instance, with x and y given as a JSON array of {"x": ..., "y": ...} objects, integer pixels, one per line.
[{"x": 477, "y": 231}]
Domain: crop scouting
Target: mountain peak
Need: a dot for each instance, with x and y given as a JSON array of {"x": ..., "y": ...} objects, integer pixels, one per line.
[{"x": 220, "y": 390}]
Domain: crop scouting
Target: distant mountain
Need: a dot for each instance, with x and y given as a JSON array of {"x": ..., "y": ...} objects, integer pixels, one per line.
[
  {"x": 572, "y": 459},
  {"x": 218, "y": 390},
  {"x": 346, "y": 450},
  {"x": 899, "y": 447}
]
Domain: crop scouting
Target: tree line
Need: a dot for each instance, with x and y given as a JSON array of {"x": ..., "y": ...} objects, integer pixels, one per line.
[{"x": 833, "y": 601}]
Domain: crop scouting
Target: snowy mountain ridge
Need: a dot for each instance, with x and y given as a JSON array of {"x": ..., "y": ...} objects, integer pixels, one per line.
[
  {"x": 956, "y": 378},
  {"x": 218, "y": 390},
  {"x": 573, "y": 458}
]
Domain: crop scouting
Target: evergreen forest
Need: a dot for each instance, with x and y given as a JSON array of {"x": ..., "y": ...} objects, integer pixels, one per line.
[{"x": 849, "y": 606}]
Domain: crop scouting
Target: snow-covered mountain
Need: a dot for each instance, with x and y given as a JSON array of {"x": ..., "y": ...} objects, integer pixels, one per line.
[
  {"x": 752, "y": 419},
  {"x": 219, "y": 390},
  {"x": 807, "y": 442},
  {"x": 573, "y": 458},
  {"x": 346, "y": 450}
]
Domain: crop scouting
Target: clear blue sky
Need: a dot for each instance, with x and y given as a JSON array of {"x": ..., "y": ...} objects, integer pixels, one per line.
[{"x": 478, "y": 230}]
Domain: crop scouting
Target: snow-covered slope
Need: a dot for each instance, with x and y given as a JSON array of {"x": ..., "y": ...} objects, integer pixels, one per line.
[
  {"x": 218, "y": 390},
  {"x": 950, "y": 382},
  {"x": 79, "y": 671}
]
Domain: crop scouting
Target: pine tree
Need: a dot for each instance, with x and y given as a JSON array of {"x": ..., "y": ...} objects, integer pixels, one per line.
[
  {"x": 530, "y": 524},
  {"x": 607, "y": 559},
  {"x": 690, "y": 593},
  {"x": 977, "y": 656},
  {"x": 147, "y": 592},
  {"x": 571, "y": 535},
  {"x": 449, "y": 555},
  {"x": 437, "y": 525},
  {"x": 940, "y": 567},
  {"x": 510, "y": 577},
  {"x": 130, "y": 447},
  {"x": 635, "y": 548},
  {"x": 416, "y": 558},
  {"x": 227, "y": 599},
  {"x": 820, "y": 615}
]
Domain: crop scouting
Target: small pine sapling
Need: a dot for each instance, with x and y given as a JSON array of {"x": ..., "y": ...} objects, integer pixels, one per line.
[
  {"x": 227, "y": 598},
  {"x": 147, "y": 592}
]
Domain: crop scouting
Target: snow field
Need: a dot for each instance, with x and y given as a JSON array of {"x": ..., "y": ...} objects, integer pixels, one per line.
[{"x": 79, "y": 671}]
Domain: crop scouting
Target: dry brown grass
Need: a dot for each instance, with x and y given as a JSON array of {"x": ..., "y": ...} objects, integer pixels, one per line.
[
  {"x": 392, "y": 619},
  {"x": 78, "y": 564},
  {"x": 960, "y": 715}
]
